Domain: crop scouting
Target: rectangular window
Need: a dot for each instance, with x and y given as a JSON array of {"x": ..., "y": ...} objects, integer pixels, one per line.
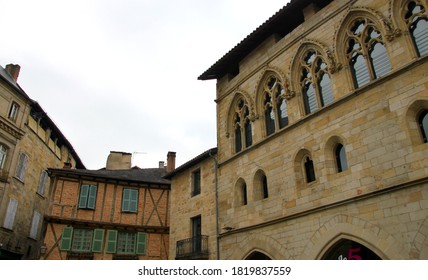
[
  {"x": 13, "y": 112},
  {"x": 88, "y": 196},
  {"x": 196, "y": 182},
  {"x": 82, "y": 240},
  {"x": 129, "y": 200},
  {"x": 126, "y": 242},
  {"x": 22, "y": 166},
  {"x": 10, "y": 214},
  {"x": 42, "y": 182},
  {"x": 3, "y": 153},
  {"x": 35, "y": 225}
]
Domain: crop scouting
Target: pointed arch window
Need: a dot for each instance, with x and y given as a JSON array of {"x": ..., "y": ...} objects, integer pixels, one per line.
[
  {"x": 275, "y": 105},
  {"x": 242, "y": 126},
  {"x": 366, "y": 52},
  {"x": 315, "y": 82},
  {"x": 417, "y": 22},
  {"x": 423, "y": 125}
]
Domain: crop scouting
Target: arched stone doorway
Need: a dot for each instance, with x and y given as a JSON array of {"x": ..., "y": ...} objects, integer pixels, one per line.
[
  {"x": 345, "y": 249},
  {"x": 256, "y": 255}
]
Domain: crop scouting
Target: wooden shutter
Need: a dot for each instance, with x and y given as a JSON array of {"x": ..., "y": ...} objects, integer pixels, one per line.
[
  {"x": 111, "y": 241},
  {"x": 83, "y": 199},
  {"x": 97, "y": 242},
  {"x": 42, "y": 182},
  {"x": 133, "y": 203},
  {"x": 10, "y": 213},
  {"x": 35, "y": 225},
  {"x": 66, "y": 237},
  {"x": 92, "y": 195},
  {"x": 126, "y": 199},
  {"x": 141, "y": 243}
]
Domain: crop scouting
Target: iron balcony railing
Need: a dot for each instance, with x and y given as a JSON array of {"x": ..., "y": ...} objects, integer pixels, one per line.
[{"x": 192, "y": 248}]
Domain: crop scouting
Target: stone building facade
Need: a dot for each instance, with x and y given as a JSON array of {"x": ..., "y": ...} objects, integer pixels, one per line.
[
  {"x": 322, "y": 119},
  {"x": 119, "y": 212},
  {"x": 193, "y": 227},
  {"x": 30, "y": 142}
]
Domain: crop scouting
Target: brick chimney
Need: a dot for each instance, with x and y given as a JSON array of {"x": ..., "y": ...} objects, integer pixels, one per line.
[
  {"x": 13, "y": 70},
  {"x": 170, "y": 161}
]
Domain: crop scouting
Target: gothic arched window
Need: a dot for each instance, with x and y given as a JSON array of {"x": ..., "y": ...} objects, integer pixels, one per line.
[
  {"x": 315, "y": 82},
  {"x": 417, "y": 22},
  {"x": 242, "y": 126},
  {"x": 274, "y": 104},
  {"x": 366, "y": 52}
]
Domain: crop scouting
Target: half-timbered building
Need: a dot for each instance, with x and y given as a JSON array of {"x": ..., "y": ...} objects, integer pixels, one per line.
[{"x": 114, "y": 213}]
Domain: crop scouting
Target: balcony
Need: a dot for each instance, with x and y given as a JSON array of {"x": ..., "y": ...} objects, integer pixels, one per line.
[{"x": 195, "y": 248}]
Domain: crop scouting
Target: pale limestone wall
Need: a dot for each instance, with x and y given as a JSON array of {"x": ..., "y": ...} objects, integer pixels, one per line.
[
  {"x": 376, "y": 124},
  {"x": 184, "y": 206}
]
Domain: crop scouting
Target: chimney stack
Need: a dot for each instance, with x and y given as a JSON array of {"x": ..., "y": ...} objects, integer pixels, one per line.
[
  {"x": 170, "y": 161},
  {"x": 118, "y": 161},
  {"x": 13, "y": 70},
  {"x": 161, "y": 164}
]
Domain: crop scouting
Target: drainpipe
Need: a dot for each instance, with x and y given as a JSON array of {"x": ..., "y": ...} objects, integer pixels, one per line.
[{"x": 216, "y": 204}]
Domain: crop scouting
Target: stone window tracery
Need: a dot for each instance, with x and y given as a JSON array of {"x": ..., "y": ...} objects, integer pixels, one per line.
[
  {"x": 275, "y": 105},
  {"x": 315, "y": 82},
  {"x": 417, "y": 23},
  {"x": 242, "y": 126},
  {"x": 366, "y": 52}
]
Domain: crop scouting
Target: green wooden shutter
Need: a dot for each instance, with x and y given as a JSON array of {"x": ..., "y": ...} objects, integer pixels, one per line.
[
  {"x": 111, "y": 241},
  {"x": 66, "y": 237},
  {"x": 125, "y": 199},
  {"x": 83, "y": 199},
  {"x": 97, "y": 242},
  {"x": 141, "y": 243},
  {"x": 92, "y": 196},
  {"x": 133, "y": 203}
]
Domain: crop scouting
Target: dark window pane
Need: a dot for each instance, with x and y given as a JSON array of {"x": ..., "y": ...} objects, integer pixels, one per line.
[
  {"x": 423, "y": 124},
  {"x": 244, "y": 194},
  {"x": 341, "y": 161},
  {"x": 270, "y": 121},
  {"x": 309, "y": 170},
  {"x": 265, "y": 187},
  {"x": 238, "y": 139},
  {"x": 248, "y": 134}
]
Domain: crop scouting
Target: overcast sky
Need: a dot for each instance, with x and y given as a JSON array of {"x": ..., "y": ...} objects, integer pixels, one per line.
[{"x": 122, "y": 75}]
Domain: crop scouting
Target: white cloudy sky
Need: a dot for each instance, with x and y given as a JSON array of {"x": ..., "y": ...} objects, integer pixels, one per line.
[{"x": 122, "y": 75}]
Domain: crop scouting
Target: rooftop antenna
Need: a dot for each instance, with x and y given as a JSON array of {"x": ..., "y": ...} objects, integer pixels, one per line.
[{"x": 136, "y": 153}]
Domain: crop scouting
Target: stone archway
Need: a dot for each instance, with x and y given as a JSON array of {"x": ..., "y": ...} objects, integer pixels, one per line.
[
  {"x": 352, "y": 228},
  {"x": 259, "y": 243}
]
